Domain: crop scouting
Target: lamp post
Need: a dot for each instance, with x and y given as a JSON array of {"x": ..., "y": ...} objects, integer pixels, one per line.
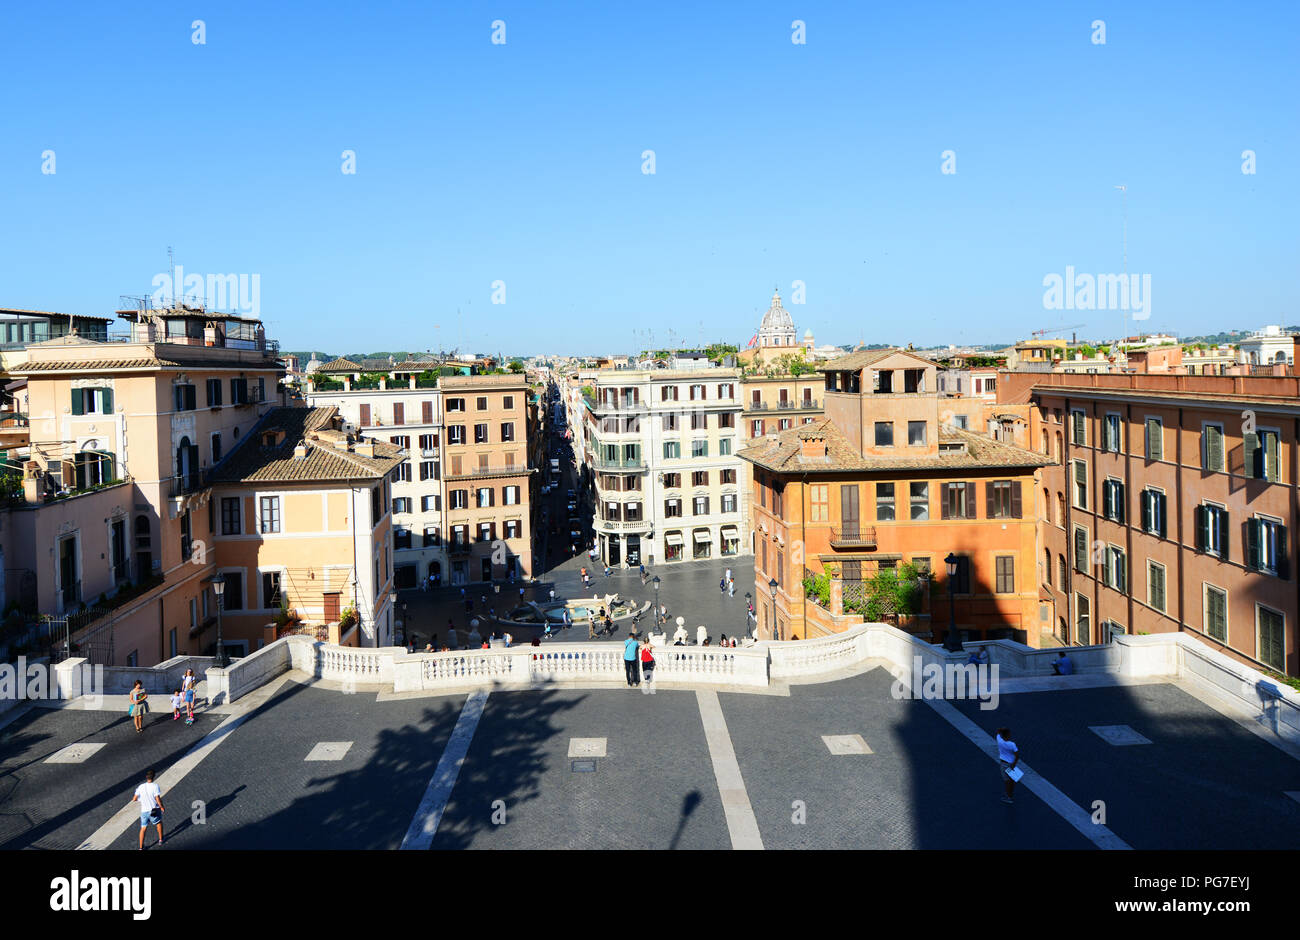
[
  {"x": 656, "y": 582},
  {"x": 952, "y": 642},
  {"x": 771, "y": 588},
  {"x": 749, "y": 602},
  {"x": 219, "y": 586}
]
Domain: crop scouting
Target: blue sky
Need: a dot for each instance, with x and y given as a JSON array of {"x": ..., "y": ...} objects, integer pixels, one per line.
[{"x": 775, "y": 162}]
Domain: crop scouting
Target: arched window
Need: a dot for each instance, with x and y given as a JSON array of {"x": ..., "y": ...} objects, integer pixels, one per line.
[{"x": 93, "y": 466}]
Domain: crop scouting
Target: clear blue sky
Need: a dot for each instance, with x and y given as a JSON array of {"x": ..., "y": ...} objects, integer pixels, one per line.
[{"x": 775, "y": 162}]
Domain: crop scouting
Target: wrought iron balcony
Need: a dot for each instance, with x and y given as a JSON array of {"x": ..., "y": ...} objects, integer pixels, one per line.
[{"x": 853, "y": 537}]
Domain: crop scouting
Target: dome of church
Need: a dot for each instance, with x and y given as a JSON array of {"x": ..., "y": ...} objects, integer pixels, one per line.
[{"x": 777, "y": 329}]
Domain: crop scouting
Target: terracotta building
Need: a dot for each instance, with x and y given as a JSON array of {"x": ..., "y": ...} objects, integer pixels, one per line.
[
  {"x": 1171, "y": 505},
  {"x": 880, "y": 481}
]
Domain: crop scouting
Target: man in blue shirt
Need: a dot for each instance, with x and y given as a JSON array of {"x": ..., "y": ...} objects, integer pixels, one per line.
[
  {"x": 1063, "y": 666},
  {"x": 631, "y": 648}
]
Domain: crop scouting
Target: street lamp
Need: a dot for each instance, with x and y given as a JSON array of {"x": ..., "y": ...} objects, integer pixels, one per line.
[
  {"x": 952, "y": 642},
  {"x": 656, "y": 583},
  {"x": 771, "y": 588},
  {"x": 219, "y": 586}
]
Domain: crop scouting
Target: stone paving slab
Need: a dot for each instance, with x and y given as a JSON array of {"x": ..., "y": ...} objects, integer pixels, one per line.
[
  {"x": 261, "y": 792},
  {"x": 56, "y": 805},
  {"x": 923, "y": 786},
  {"x": 1203, "y": 782},
  {"x": 653, "y": 789}
]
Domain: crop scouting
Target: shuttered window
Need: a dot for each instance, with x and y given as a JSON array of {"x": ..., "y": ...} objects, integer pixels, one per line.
[
  {"x": 1155, "y": 439},
  {"x": 1212, "y": 447}
]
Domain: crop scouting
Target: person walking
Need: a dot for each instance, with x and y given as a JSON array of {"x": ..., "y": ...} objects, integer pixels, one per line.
[
  {"x": 722, "y": 585},
  {"x": 189, "y": 688},
  {"x": 149, "y": 796},
  {"x": 139, "y": 705},
  {"x": 592, "y": 633},
  {"x": 1008, "y": 757},
  {"x": 647, "y": 662},
  {"x": 177, "y": 701},
  {"x": 630, "y": 652},
  {"x": 731, "y": 587}
]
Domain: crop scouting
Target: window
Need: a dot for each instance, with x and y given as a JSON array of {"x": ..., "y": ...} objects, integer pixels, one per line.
[
  {"x": 1060, "y": 509},
  {"x": 511, "y": 529},
  {"x": 92, "y": 401},
  {"x": 484, "y": 497},
  {"x": 429, "y": 470},
  {"x": 486, "y": 531},
  {"x": 1212, "y": 530},
  {"x": 455, "y": 404},
  {"x": 729, "y": 503},
  {"x": 401, "y": 538},
  {"x": 958, "y": 501},
  {"x": 1216, "y": 613},
  {"x": 919, "y": 497},
  {"x": 756, "y": 429},
  {"x": 668, "y": 393},
  {"x": 701, "y": 506},
  {"x": 672, "y": 507},
  {"x": 402, "y": 504},
  {"x": 699, "y": 448},
  {"x": 459, "y": 499},
  {"x": 1082, "y": 620},
  {"x": 480, "y": 434},
  {"x": 1261, "y": 450},
  {"x": 1155, "y": 439},
  {"x": 699, "y": 422},
  {"x": 1156, "y": 586},
  {"x": 697, "y": 393},
  {"x": 1003, "y": 498},
  {"x": 428, "y": 441},
  {"x": 884, "y": 434},
  {"x": 239, "y": 391},
  {"x": 672, "y": 480},
  {"x": 885, "y": 502},
  {"x": 1005, "y": 574},
  {"x": 1115, "y": 571},
  {"x": 726, "y": 391},
  {"x": 819, "y": 501},
  {"x": 270, "y": 589},
  {"x": 508, "y": 431},
  {"x": 508, "y": 402},
  {"x": 1078, "y": 428},
  {"x": 456, "y": 434},
  {"x": 269, "y": 514},
  {"x": 510, "y": 496},
  {"x": 431, "y": 503},
  {"x": 701, "y": 478},
  {"x": 672, "y": 422},
  {"x": 481, "y": 403},
  {"x": 1062, "y": 572},
  {"x": 672, "y": 450},
  {"x": 230, "y": 515},
  {"x": 1153, "y": 512},
  {"x": 214, "y": 393},
  {"x": 1080, "y": 484},
  {"x": 1266, "y": 546},
  {"x": 913, "y": 380},
  {"x": 1112, "y": 500},
  {"x": 915, "y": 433},
  {"x": 1272, "y": 638},
  {"x": 724, "y": 447},
  {"x": 184, "y": 398},
  {"x": 1110, "y": 434},
  {"x": 1212, "y": 447},
  {"x": 1081, "y": 549},
  {"x": 728, "y": 475},
  {"x": 402, "y": 472},
  {"x": 726, "y": 420}
]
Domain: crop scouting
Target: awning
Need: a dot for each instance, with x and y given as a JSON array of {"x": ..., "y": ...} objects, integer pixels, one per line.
[
  {"x": 703, "y": 535},
  {"x": 673, "y": 538},
  {"x": 730, "y": 532}
]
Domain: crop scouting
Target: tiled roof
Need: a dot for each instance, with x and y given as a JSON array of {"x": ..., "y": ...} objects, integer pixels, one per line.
[
  {"x": 340, "y": 365},
  {"x": 851, "y": 362},
  {"x": 783, "y": 452},
  {"x": 148, "y": 362},
  {"x": 251, "y": 462}
]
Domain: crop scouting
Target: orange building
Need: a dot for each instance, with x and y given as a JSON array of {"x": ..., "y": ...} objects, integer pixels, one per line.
[{"x": 879, "y": 482}]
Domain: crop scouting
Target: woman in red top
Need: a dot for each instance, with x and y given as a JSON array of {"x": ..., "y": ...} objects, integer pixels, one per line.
[{"x": 647, "y": 662}]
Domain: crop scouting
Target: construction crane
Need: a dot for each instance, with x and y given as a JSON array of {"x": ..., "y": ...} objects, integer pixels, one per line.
[{"x": 1059, "y": 329}]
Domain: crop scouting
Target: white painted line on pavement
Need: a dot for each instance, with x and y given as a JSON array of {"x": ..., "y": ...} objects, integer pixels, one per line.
[
  {"x": 741, "y": 822},
  {"x": 1035, "y": 783},
  {"x": 428, "y": 815}
]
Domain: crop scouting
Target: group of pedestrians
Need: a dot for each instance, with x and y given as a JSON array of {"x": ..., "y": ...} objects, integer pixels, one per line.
[
  {"x": 637, "y": 653},
  {"x": 727, "y": 584},
  {"x": 182, "y": 699}
]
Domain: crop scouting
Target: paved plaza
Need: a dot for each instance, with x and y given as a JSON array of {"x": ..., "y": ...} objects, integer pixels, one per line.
[{"x": 838, "y": 764}]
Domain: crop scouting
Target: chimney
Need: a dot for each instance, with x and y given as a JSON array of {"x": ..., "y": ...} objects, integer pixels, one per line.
[
  {"x": 365, "y": 449},
  {"x": 812, "y": 447},
  {"x": 300, "y": 452}
]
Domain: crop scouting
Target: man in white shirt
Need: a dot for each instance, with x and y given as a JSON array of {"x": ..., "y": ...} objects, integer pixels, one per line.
[
  {"x": 149, "y": 796},
  {"x": 1008, "y": 757}
]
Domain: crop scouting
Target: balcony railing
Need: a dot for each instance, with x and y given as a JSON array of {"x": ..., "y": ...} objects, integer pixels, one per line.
[
  {"x": 604, "y": 464},
  {"x": 853, "y": 537},
  {"x": 801, "y": 405},
  {"x": 516, "y": 468},
  {"x": 182, "y": 484}
]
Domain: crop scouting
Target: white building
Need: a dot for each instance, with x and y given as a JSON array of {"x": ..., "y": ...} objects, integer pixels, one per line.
[
  {"x": 1268, "y": 346},
  {"x": 660, "y": 446}
]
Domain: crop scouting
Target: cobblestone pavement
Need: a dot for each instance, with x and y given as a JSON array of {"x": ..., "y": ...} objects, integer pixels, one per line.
[{"x": 314, "y": 767}]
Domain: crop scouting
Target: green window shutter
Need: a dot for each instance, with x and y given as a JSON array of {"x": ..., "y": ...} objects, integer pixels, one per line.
[
  {"x": 1160, "y": 502},
  {"x": 1270, "y": 456},
  {"x": 1199, "y": 526},
  {"x": 1221, "y": 519},
  {"x": 1155, "y": 443},
  {"x": 1250, "y": 445},
  {"x": 970, "y": 500},
  {"x": 1252, "y": 543},
  {"x": 1118, "y": 500},
  {"x": 107, "y": 398},
  {"x": 1017, "y": 507},
  {"x": 78, "y": 408},
  {"x": 1283, "y": 570},
  {"x": 1146, "y": 500},
  {"x": 1215, "y": 447}
]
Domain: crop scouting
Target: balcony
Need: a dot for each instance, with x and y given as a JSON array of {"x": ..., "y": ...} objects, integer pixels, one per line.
[
  {"x": 516, "y": 469},
  {"x": 803, "y": 405},
  {"x": 183, "y": 484},
  {"x": 459, "y": 549},
  {"x": 604, "y": 464},
  {"x": 853, "y": 537}
]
